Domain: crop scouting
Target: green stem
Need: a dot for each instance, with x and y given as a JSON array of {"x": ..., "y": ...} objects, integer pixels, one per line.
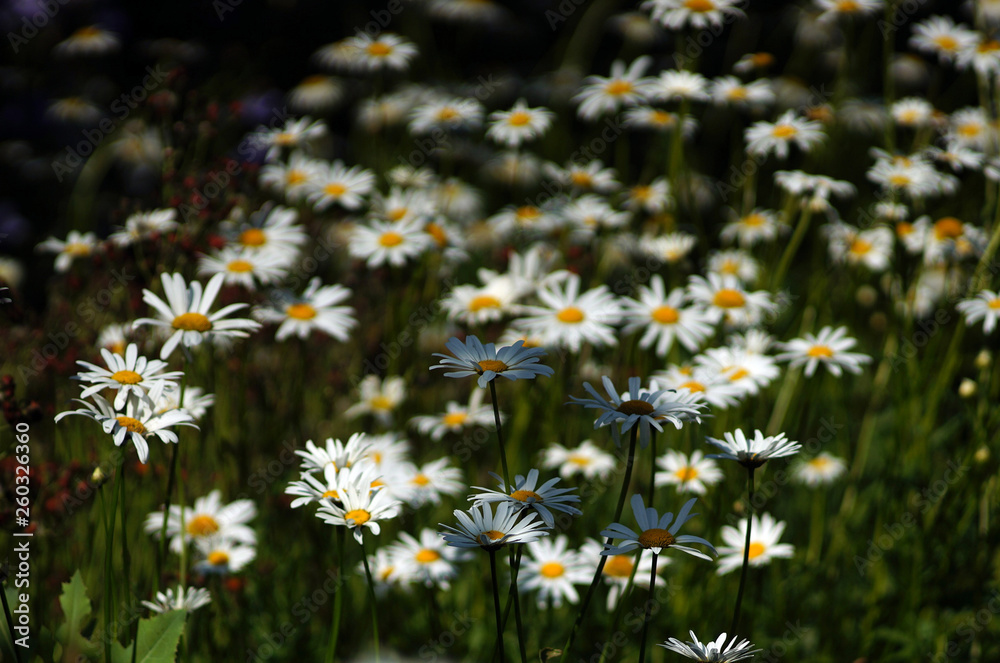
[
  {"x": 111, "y": 632},
  {"x": 652, "y": 468},
  {"x": 600, "y": 567},
  {"x": 171, "y": 480},
  {"x": 792, "y": 247},
  {"x": 496, "y": 602},
  {"x": 371, "y": 598},
  {"x": 746, "y": 552},
  {"x": 496, "y": 419},
  {"x": 517, "y": 609},
  {"x": 338, "y": 597},
  {"x": 646, "y": 616},
  {"x": 816, "y": 527}
]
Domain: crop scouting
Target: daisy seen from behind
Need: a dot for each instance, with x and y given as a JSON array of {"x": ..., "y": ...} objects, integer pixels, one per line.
[
  {"x": 526, "y": 494},
  {"x": 471, "y": 357},
  {"x": 716, "y": 651},
  {"x": 754, "y": 451}
]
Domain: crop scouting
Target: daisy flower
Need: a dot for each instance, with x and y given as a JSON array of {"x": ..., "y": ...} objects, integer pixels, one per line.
[
  {"x": 196, "y": 402},
  {"x": 670, "y": 248},
  {"x": 665, "y": 319},
  {"x": 519, "y": 125},
  {"x": 456, "y": 418},
  {"x": 586, "y": 459},
  {"x": 689, "y": 475},
  {"x": 136, "y": 421},
  {"x": 834, "y": 9},
  {"x": 766, "y": 137},
  {"x": 657, "y": 119},
  {"x": 552, "y": 569},
  {"x": 746, "y": 369},
  {"x": 912, "y": 112},
  {"x": 482, "y": 528},
  {"x": 526, "y": 494},
  {"x": 115, "y": 337},
  {"x": 730, "y": 90},
  {"x": 385, "y": 51},
  {"x": 378, "y": 398},
  {"x": 949, "y": 239},
  {"x": 309, "y": 489},
  {"x": 652, "y": 198},
  {"x": 525, "y": 218},
  {"x": 970, "y": 127},
  {"x": 724, "y": 299},
  {"x": 433, "y": 563},
  {"x": 448, "y": 114},
  {"x": 473, "y": 358},
  {"x": 427, "y": 483},
  {"x": 389, "y": 243},
  {"x": 675, "y": 85},
  {"x": 734, "y": 262},
  {"x": 941, "y": 36},
  {"x": 241, "y": 267},
  {"x": 294, "y": 133},
  {"x": 654, "y": 534},
  {"x": 129, "y": 374},
  {"x": 334, "y": 453},
  {"x": 871, "y": 248},
  {"x": 642, "y": 409},
  {"x": 698, "y": 14},
  {"x": 590, "y": 213},
  {"x": 712, "y": 652},
  {"x": 754, "y": 452},
  {"x": 339, "y": 184},
  {"x": 700, "y": 384},
  {"x": 293, "y": 179},
  {"x": 764, "y": 546},
  {"x": 359, "y": 507},
  {"x": 586, "y": 176},
  {"x": 984, "y": 306},
  {"x": 476, "y": 305},
  {"x": 569, "y": 319},
  {"x": 221, "y": 555},
  {"x": 145, "y": 225},
  {"x": 828, "y": 347},
  {"x": 207, "y": 518},
  {"x": 402, "y": 205},
  {"x": 272, "y": 228},
  {"x": 315, "y": 309},
  {"x": 984, "y": 56},
  {"x": 76, "y": 245},
  {"x": 821, "y": 469},
  {"x": 88, "y": 40},
  {"x": 186, "y": 312},
  {"x": 602, "y": 95},
  {"x": 316, "y": 94},
  {"x": 182, "y": 598}
]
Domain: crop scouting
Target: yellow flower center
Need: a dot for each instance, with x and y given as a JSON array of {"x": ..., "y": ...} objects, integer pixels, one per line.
[
  {"x": 582, "y": 461},
  {"x": 656, "y": 538},
  {"x": 754, "y": 220},
  {"x": 642, "y": 192},
  {"x": 570, "y": 315},
  {"x": 948, "y": 227},
  {"x": 618, "y": 88},
  {"x": 380, "y": 403},
  {"x": 582, "y": 180},
  {"x": 528, "y": 213},
  {"x": 860, "y": 247},
  {"x": 988, "y": 46},
  {"x": 379, "y": 49},
  {"x": 762, "y": 59},
  {"x": 396, "y": 213},
  {"x": 899, "y": 179},
  {"x": 87, "y": 32},
  {"x": 331, "y": 495},
  {"x": 77, "y": 249},
  {"x": 820, "y": 351},
  {"x": 661, "y": 117},
  {"x": 665, "y": 315},
  {"x": 301, "y": 312},
  {"x": 285, "y": 139},
  {"x": 202, "y": 525},
  {"x": 455, "y": 418},
  {"x": 525, "y": 495},
  {"x": 946, "y": 42},
  {"x": 686, "y": 474},
  {"x": 639, "y": 407},
  {"x": 819, "y": 463},
  {"x": 437, "y": 232},
  {"x": 314, "y": 80},
  {"x": 483, "y": 301},
  {"x": 126, "y": 377},
  {"x": 447, "y": 113},
  {"x": 295, "y": 177},
  {"x": 784, "y": 131},
  {"x": 493, "y": 535},
  {"x": 492, "y": 365},
  {"x": 334, "y": 189},
  {"x": 552, "y": 570},
  {"x": 699, "y": 6},
  {"x": 618, "y": 566},
  {"x": 848, "y": 6},
  {"x": 359, "y": 516},
  {"x": 994, "y": 304},
  {"x": 737, "y": 94},
  {"x": 253, "y": 237},
  {"x": 692, "y": 386},
  {"x": 729, "y": 298},
  {"x": 421, "y": 480},
  {"x": 729, "y": 267},
  {"x": 519, "y": 119},
  {"x": 386, "y": 572},
  {"x": 131, "y": 425},
  {"x": 240, "y": 266},
  {"x": 192, "y": 322},
  {"x": 756, "y": 550},
  {"x": 390, "y": 239},
  {"x": 218, "y": 558},
  {"x": 427, "y": 556}
]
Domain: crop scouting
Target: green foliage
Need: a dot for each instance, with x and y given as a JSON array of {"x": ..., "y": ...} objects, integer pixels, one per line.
[{"x": 157, "y": 639}]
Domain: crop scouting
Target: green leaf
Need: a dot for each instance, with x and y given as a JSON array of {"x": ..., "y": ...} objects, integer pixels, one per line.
[
  {"x": 76, "y": 609},
  {"x": 158, "y": 638}
]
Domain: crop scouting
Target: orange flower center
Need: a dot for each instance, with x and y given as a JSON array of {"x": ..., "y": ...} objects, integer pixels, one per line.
[
  {"x": 359, "y": 516},
  {"x": 334, "y": 189},
  {"x": 77, "y": 249},
  {"x": 253, "y": 237},
  {"x": 421, "y": 480},
  {"x": 192, "y": 322},
  {"x": 582, "y": 180},
  {"x": 525, "y": 495},
  {"x": 618, "y": 566},
  {"x": 483, "y": 301},
  {"x": 331, "y": 495},
  {"x": 729, "y": 298},
  {"x": 218, "y": 558},
  {"x": 492, "y": 365},
  {"x": 301, "y": 312},
  {"x": 699, "y": 6},
  {"x": 656, "y": 538},
  {"x": 994, "y": 304},
  {"x": 390, "y": 239},
  {"x": 754, "y": 220},
  {"x": 692, "y": 386},
  {"x": 820, "y": 351},
  {"x": 493, "y": 535},
  {"x": 665, "y": 315},
  {"x": 948, "y": 227},
  {"x": 131, "y": 425},
  {"x": 126, "y": 377},
  {"x": 756, "y": 550},
  {"x": 618, "y": 88},
  {"x": 427, "y": 556},
  {"x": 202, "y": 525},
  {"x": 848, "y": 6},
  {"x": 519, "y": 119},
  {"x": 240, "y": 266},
  {"x": 455, "y": 418},
  {"x": 784, "y": 131},
  {"x": 379, "y": 49},
  {"x": 946, "y": 42},
  {"x": 380, "y": 403},
  {"x": 860, "y": 247},
  {"x": 570, "y": 315},
  {"x": 295, "y": 177},
  {"x": 686, "y": 473},
  {"x": 552, "y": 570}
]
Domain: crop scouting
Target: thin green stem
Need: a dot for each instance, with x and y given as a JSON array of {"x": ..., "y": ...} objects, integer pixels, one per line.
[
  {"x": 126, "y": 558},
  {"x": 371, "y": 598},
  {"x": 171, "y": 480},
  {"x": 646, "y": 616},
  {"x": 792, "y": 247},
  {"x": 338, "y": 597},
  {"x": 600, "y": 566},
  {"x": 496, "y": 419},
  {"x": 746, "y": 552},
  {"x": 517, "y": 609},
  {"x": 652, "y": 468},
  {"x": 496, "y": 603}
]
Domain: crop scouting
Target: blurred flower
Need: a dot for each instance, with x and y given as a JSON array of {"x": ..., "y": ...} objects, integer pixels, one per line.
[
  {"x": 314, "y": 310},
  {"x": 941, "y": 36},
  {"x": 456, "y": 418},
  {"x": 821, "y": 469},
  {"x": 378, "y": 398},
  {"x": 568, "y": 319},
  {"x": 689, "y": 475},
  {"x": 664, "y": 318},
  {"x": 586, "y": 459},
  {"x": 295, "y": 133},
  {"x": 764, "y": 546},
  {"x": 518, "y": 125},
  {"x": 446, "y": 114},
  {"x": 338, "y": 184},
  {"x": 697, "y": 14},
  {"x": 431, "y": 561},
  {"x": 766, "y": 137},
  {"x": 222, "y": 555},
  {"x": 76, "y": 245},
  {"x": 207, "y": 518},
  {"x": 243, "y": 267},
  {"x": 828, "y": 347},
  {"x": 316, "y": 94},
  {"x": 984, "y": 306},
  {"x": 145, "y": 225},
  {"x": 189, "y": 599},
  {"x": 88, "y": 40},
  {"x": 602, "y": 95},
  {"x": 553, "y": 570}
]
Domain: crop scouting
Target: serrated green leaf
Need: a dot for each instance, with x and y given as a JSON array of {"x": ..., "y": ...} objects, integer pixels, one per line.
[
  {"x": 76, "y": 609},
  {"x": 157, "y": 639}
]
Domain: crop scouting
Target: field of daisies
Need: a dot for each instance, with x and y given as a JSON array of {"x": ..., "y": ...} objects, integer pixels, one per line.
[{"x": 460, "y": 330}]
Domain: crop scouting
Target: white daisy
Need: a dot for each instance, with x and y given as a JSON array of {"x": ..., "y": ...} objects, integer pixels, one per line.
[
  {"x": 664, "y": 318},
  {"x": 221, "y": 555},
  {"x": 294, "y": 133},
  {"x": 585, "y": 176},
  {"x": 586, "y": 459},
  {"x": 145, "y": 225},
  {"x": 821, "y": 469},
  {"x": 754, "y": 452},
  {"x": 984, "y": 306},
  {"x": 514, "y": 362},
  {"x": 941, "y": 36},
  {"x": 129, "y": 374},
  {"x": 427, "y": 483},
  {"x": 712, "y": 652},
  {"x": 689, "y": 475},
  {"x": 679, "y": 84},
  {"x": 384, "y": 243},
  {"x": 482, "y": 528},
  {"x": 456, "y": 417},
  {"x": 294, "y": 178},
  {"x": 338, "y": 184},
  {"x": 829, "y": 347},
  {"x": 519, "y": 125},
  {"x": 433, "y": 563},
  {"x": 76, "y": 245},
  {"x": 569, "y": 319},
  {"x": 314, "y": 310},
  {"x": 316, "y": 94},
  {"x": 446, "y": 114},
  {"x": 765, "y": 533},
  {"x": 378, "y": 397},
  {"x": 188, "y": 599},
  {"x": 698, "y": 14},
  {"x": 552, "y": 569},
  {"x": 526, "y": 494},
  {"x": 766, "y": 137},
  {"x": 602, "y": 95},
  {"x": 358, "y": 507},
  {"x": 207, "y": 518},
  {"x": 242, "y": 267},
  {"x": 725, "y": 299}
]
